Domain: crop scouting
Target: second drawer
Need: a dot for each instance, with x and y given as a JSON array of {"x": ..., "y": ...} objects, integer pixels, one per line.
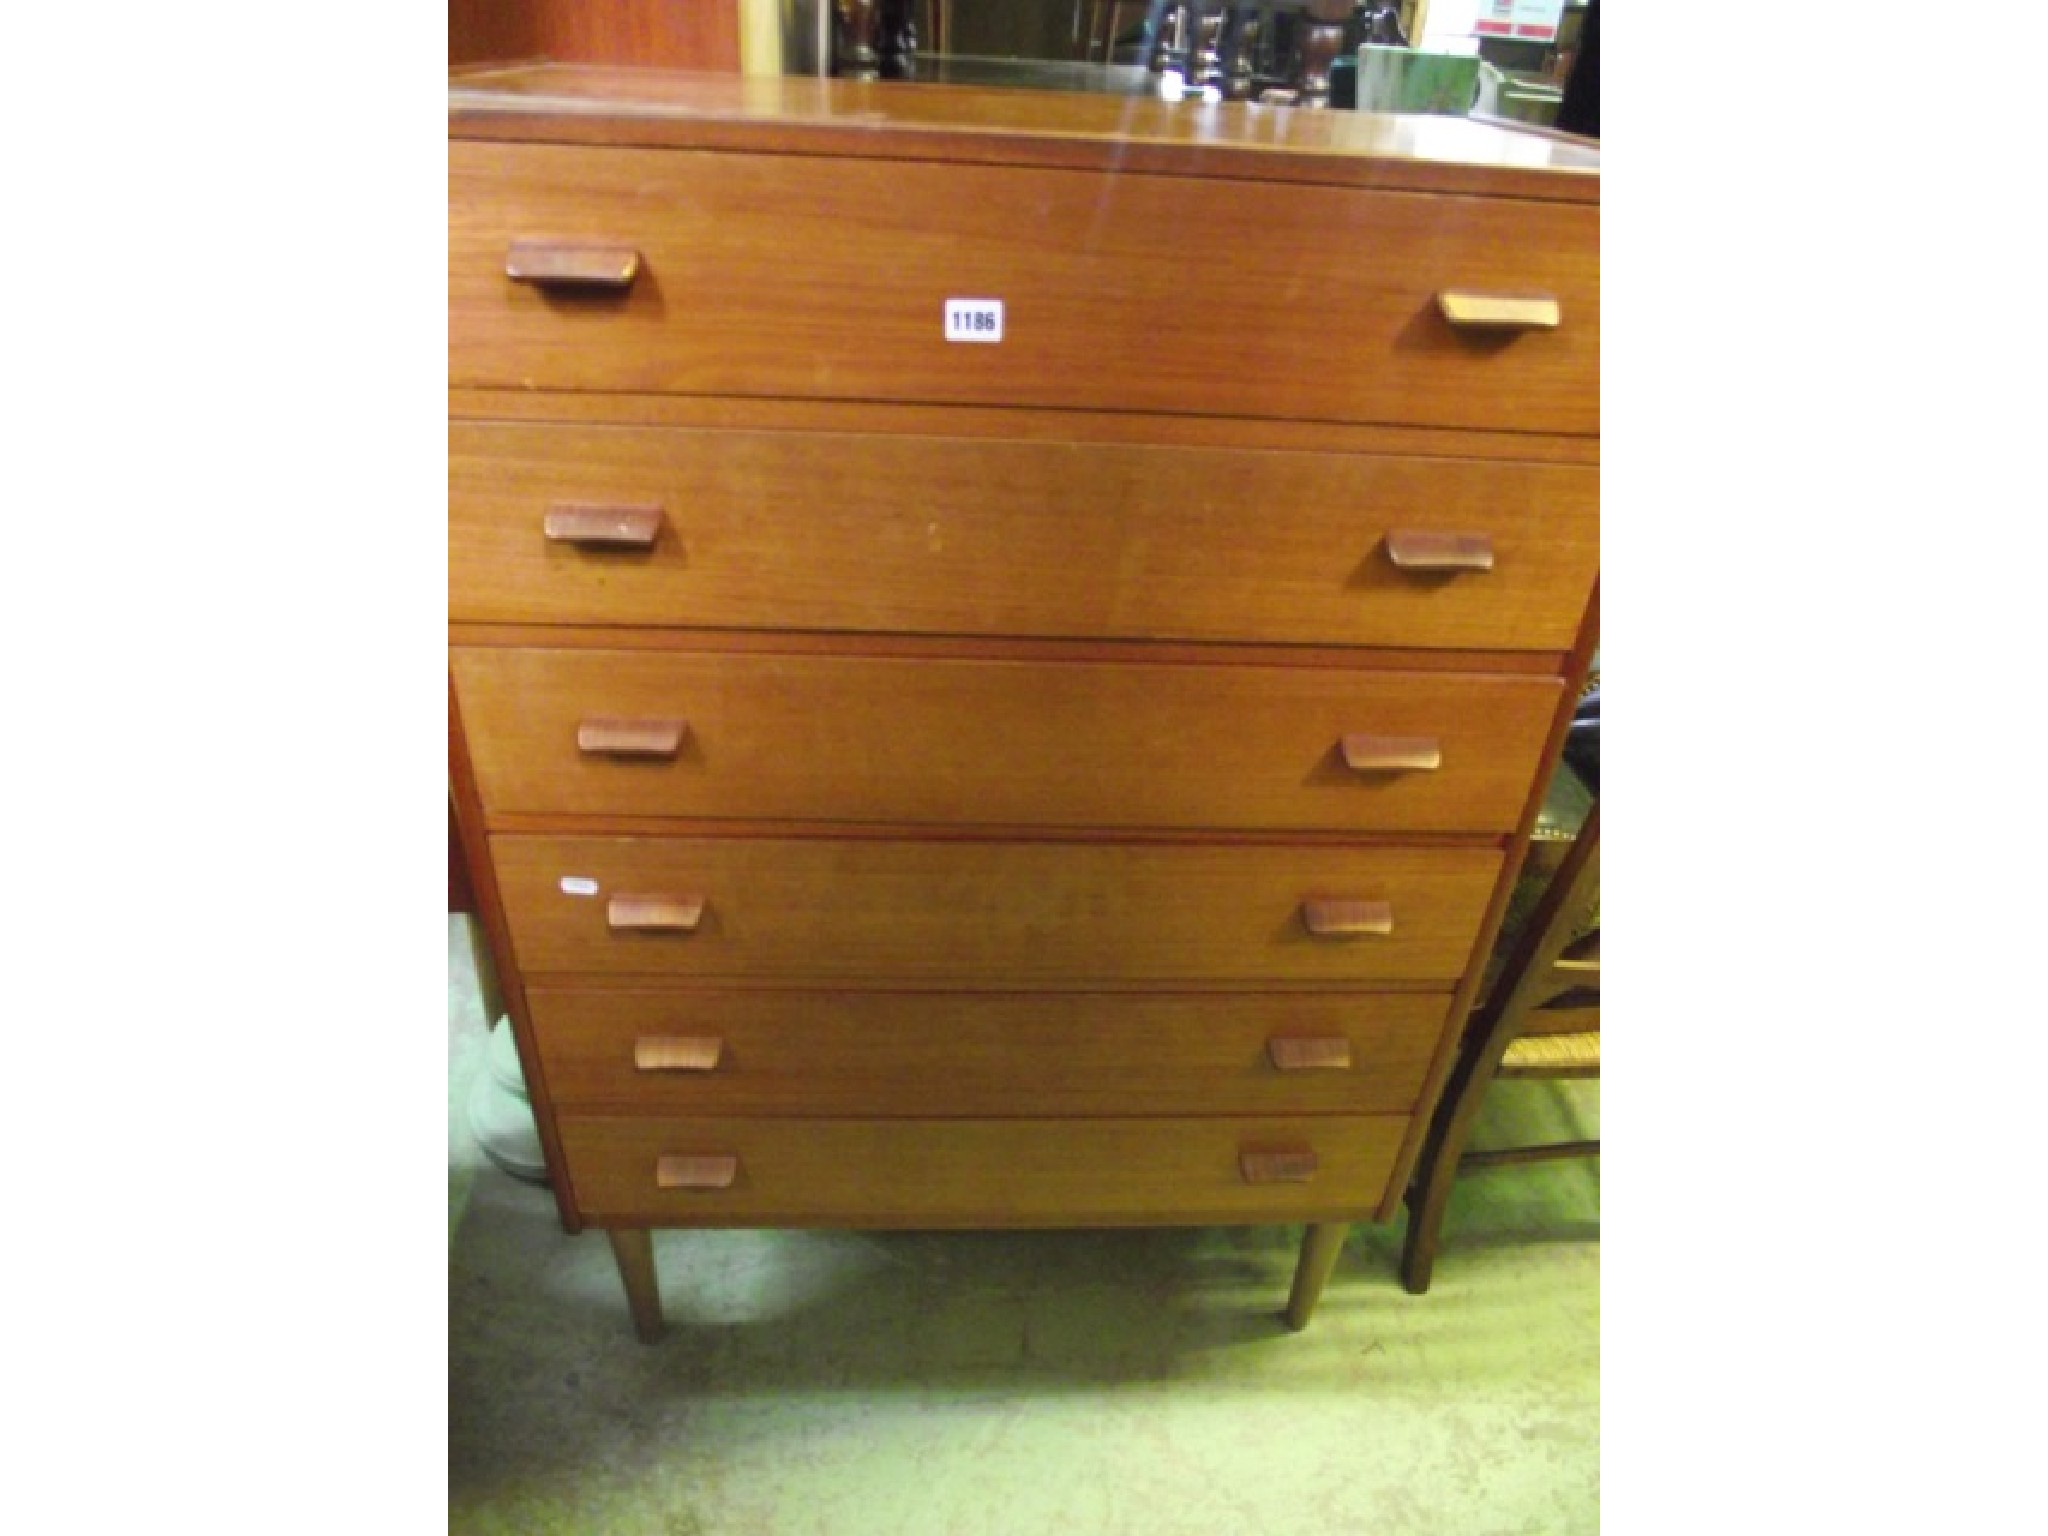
[
  {"x": 944, "y": 739},
  {"x": 769, "y": 524},
  {"x": 707, "y": 1051}
]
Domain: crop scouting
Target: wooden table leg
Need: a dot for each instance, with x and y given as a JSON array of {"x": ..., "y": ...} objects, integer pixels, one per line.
[
  {"x": 899, "y": 40},
  {"x": 857, "y": 39},
  {"x": 633, "y": 1248},
  {"x": 1320, "y": 1246},
  {"x": 1240, "y": 44},
  {"x": 1322, "y": 35},
  {"x": 1205, "y": 45}
]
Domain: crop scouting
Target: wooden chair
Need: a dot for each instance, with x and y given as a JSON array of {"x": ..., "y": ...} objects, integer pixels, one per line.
[{"x": 1541, "y": 1019}]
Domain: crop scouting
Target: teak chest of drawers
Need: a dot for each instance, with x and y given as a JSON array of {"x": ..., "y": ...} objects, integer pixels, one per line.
[{"x": 1061, "y": 766}]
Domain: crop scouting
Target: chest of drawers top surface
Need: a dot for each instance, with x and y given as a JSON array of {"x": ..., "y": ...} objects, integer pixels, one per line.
[{"x": 569, "y": 103}]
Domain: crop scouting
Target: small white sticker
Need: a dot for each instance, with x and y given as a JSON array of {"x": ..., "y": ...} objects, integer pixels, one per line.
[
  {"x": 578, "y": 885},
  {"x": 974, "y": 319}
]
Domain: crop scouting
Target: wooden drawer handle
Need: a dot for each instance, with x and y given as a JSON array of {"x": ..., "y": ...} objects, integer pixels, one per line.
[
  {"x": 696, "y": 1170},
  {"x": 678, "y": 1053},
  {"x": 654, "y": 914},
  {"x": 1332, "y": 917},
  {"x": 1416, "y": 550},
  {"x": 566, "y": 264},
  {"x": 1499, "y": 311},
  {"x": 1310, "y": 1053},
  {"x": 608, "y": 527},
  {"x": 1277, "y": 1165},
  {"x": 630, "y": 738},
  {"x": 1365, "y": 753}
]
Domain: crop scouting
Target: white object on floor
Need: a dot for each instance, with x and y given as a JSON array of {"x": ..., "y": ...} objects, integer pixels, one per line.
[{"x": 500, "y": 1117}]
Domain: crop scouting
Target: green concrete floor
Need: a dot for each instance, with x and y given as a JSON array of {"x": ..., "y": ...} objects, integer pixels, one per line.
[{"x": 843, "y": 1383}]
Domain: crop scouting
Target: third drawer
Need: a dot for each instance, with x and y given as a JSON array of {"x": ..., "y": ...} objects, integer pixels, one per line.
[
  {"x": 949, "y": 739},
  {"x": 728, "y": 1051}
]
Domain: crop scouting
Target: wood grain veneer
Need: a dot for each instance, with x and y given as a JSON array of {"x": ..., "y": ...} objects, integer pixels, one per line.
[
  {"x": 933, "y": 738},
  {"x": 653, "y": 33},
  {"x": 1073, "y": 258},
  {"x": 1116, "y": 135},
  {"x": 784, "y": 1051},
  {"x": 976, "y": 1173},
  {"x": 957, "y": 535},
  {"x": 990, "y": 913}
]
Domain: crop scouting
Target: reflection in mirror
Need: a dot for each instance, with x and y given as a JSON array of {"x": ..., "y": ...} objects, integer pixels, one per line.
[
  {"x": 1509, "y": 58},
  {"x": 1244, "y": 50}
]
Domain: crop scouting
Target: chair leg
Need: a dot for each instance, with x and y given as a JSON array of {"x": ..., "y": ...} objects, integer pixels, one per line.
[
  {"x": 1320, "y": 1246},
  {"x": 1429, "y": 1192},
  {"x": 633, "y": 1249},
  {"x": 1426, "y": 1201}
]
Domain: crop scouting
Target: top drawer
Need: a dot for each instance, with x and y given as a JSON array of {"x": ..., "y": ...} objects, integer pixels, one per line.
[{"x": 789, "y": 276}]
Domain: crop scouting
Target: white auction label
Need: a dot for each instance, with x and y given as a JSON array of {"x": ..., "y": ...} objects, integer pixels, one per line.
[
  {"x": 578, "y": 885},
  {"x": 974, "y": 319}
]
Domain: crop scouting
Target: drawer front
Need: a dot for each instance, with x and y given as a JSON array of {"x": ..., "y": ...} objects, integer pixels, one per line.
[
  {"x": 987, "y": 913},
  {"x": 942, "y": 739},
  {"x": 994, "y": 1173},
  {"x": 788, "y": 276},
  {"x": 945, "y": 535},
  {"x": 729, "y": 1052}
]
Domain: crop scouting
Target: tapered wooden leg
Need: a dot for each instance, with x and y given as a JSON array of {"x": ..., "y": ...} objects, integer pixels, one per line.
[
  {"x": 633, "y": 1248},
  {"x": 1320, "y": 1246}
]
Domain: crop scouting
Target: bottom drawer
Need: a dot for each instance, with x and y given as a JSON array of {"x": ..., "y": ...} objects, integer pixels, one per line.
[{"x": 980, "y": 1173}]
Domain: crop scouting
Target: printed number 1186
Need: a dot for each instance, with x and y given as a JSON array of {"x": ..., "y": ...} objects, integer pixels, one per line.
[{"x": 974, "y": 319}]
